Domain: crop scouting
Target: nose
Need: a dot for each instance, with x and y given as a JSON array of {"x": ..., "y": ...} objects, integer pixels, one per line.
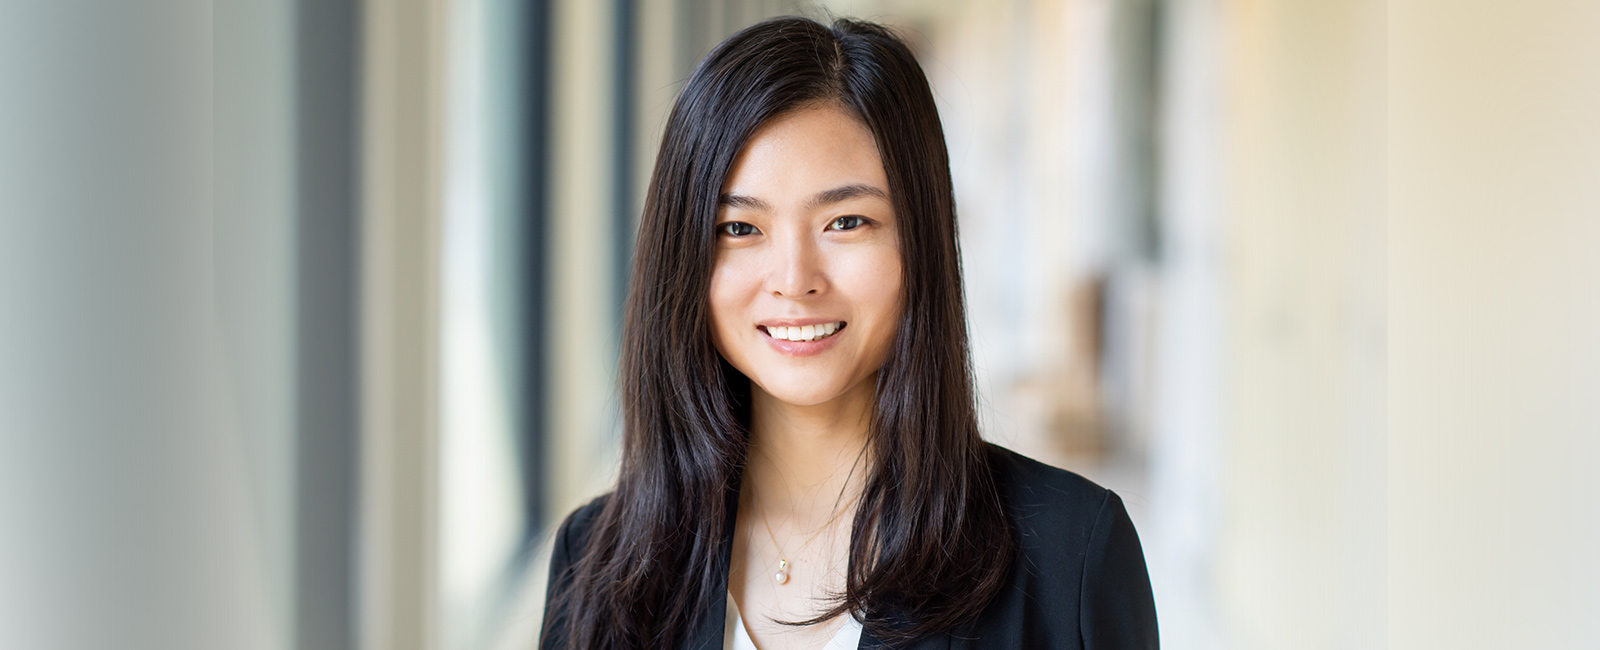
[{"x": 796, "y": 269}]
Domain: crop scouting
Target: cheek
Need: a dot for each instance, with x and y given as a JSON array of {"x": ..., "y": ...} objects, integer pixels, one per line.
[
  {"x": 728, "y": 303},
  {"x": 878, "y": 290}
]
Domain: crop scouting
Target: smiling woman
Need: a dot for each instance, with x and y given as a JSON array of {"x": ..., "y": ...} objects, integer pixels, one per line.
[
  {"x": 805, "y": 299},
  {"x": 800, "y": 441}
]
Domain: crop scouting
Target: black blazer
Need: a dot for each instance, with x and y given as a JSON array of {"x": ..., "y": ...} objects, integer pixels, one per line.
[{"x": 1078, "y": 582}]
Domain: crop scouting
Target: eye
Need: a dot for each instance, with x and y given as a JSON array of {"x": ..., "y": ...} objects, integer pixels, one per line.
[
  {"x": 736, "y": 229},
  {"x": 847, "y": 223}
]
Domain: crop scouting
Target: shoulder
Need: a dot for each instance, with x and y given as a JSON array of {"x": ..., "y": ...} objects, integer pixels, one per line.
[
  {"x": 579, "y": 520},
  {"x": 1056, "y": 511},
  {"x": 570, "y": 538},
  {"x": 574, "y": 530},
  {"x": 1078, "y": 553},
  {"x": 1042, "y": 495}
]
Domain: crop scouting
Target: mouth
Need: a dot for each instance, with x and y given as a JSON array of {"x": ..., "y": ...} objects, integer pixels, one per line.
[{"x": 803, "y": 333}]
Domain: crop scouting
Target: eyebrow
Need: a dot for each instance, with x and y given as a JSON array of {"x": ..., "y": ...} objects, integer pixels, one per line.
[{"x": 826, "y": 197}]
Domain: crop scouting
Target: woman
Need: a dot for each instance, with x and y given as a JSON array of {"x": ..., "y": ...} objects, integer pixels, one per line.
[{"x": 802, "y": 466}]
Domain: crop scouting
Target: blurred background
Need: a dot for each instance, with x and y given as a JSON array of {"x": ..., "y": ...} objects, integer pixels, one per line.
[{"x": 311, "y": 306}]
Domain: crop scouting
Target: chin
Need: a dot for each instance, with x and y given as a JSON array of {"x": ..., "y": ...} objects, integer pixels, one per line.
[{"x": 797, "y": 391}]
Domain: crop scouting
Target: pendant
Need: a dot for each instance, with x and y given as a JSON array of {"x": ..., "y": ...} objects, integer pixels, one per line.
[{"x": 782, "y": 576}]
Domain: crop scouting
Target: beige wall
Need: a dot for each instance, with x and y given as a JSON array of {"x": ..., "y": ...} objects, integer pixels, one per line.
[
  {"x": 1494, "y": 221},
  {"x": 1300, "y": 550}
]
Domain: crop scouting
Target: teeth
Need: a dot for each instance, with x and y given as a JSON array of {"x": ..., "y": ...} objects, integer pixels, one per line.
[{"x": 804, "y": 332}]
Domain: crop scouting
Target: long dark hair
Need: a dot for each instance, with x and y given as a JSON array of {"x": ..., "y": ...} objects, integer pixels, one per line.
[{"x": 931, "y": 543}]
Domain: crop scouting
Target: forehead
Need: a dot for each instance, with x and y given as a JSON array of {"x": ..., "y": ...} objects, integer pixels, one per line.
[{"x": 803, "y": 151}]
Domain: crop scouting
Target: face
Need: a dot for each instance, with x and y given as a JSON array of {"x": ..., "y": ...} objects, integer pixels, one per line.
[{"x": 805, "y": 292}]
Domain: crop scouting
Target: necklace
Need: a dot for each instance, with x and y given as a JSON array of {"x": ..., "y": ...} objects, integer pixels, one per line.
[{"x": 782, "y": 574}]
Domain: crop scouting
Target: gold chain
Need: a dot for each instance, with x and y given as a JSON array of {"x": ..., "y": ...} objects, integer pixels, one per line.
[{"x": 784, "y": 557}]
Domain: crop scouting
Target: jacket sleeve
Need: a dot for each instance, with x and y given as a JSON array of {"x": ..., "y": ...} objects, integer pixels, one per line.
[
  {"x": 1118, "y": 609},
  {"x": 560, "y": 575}
]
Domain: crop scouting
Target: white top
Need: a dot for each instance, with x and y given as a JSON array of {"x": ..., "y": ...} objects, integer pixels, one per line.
[{"x": 736, "y": 637}]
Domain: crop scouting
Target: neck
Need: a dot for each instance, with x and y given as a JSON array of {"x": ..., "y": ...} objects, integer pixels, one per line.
[{"x": 807, "y": 461}]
